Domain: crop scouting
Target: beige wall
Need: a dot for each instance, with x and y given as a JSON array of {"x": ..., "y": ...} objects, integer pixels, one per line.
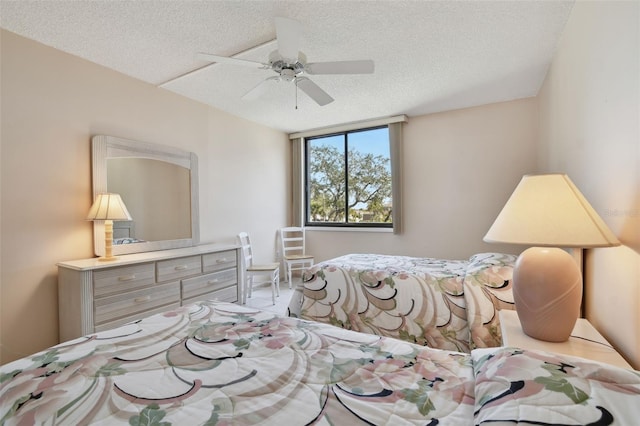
[
  {"x": 459, "y": 168},
  {"x": 590, "y": 129},
  {"x": 52, "y": 103}
]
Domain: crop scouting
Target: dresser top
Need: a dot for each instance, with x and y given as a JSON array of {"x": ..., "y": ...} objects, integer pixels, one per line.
[{"x": 151, "y": 256}]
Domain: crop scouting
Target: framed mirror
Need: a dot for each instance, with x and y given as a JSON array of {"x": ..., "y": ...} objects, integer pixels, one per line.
[{"x": 159, "y": 186}]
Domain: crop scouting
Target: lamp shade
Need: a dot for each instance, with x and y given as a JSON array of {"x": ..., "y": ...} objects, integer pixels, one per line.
[
  {"x": 549, "y": 211},
  {"x": 108, "y": 207}
]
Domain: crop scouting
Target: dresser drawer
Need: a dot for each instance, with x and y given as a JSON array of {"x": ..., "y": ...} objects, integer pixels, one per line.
[
  {"x": 210, "y": 282},
  {"x": 124, "y": 320},
  {"x": 181, "y": 267},
  {"x": 117, "y": 280},
  {"x": 108, "y": 309},
  {"x": 229, "y": 294},
  {"x": 217, "y": 261}
]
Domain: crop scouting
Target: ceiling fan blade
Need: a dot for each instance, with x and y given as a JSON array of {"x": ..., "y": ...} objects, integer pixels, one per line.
[
  {"x": 288, "y": 34},
  {"x": 223, "y": 59},
  {"x": 313, "y": 91},
  {"x": 341, "y": 67},
  {"x": 260, "y": 89}
]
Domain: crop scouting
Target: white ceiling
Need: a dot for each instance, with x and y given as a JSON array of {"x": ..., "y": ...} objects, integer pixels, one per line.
[{"x": 429, "y": 56}]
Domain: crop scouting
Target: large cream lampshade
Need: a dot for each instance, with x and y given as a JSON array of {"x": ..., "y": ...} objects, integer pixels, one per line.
[
  {"x": 108, "y": 207},
  {"x": 547, "y": 212}
]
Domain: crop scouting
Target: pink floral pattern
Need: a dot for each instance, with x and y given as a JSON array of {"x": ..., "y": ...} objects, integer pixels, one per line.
[
  {"x": 534, "y": 387},
  {"x": 488, "y": 287},
  {"x": 219, "y": 363},
  {"x": 445, "y": 304},
  {"x": 222, "y": 364}
]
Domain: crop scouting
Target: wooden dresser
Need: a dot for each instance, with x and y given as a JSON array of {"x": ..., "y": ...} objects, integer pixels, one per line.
[{"x": 95, "y": 296}]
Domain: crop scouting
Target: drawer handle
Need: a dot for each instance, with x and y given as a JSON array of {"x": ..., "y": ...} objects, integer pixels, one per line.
[
  {"x": 181, "y": 267},
  {"x": 223, "y": 260},
  {"x": 127, "y": 277},
  {"x": 142, "y": 299},
  {"x": 211, "y": 282}
]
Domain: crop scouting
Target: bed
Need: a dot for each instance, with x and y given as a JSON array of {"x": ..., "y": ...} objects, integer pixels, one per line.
[
  {"x": 217, "y": 363},
  {"x": 444, "y": 304},
  {"x": 124, "y": 233}
]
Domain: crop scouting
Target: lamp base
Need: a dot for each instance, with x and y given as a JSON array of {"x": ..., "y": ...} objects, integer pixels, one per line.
[
  {"x": 107, "y": 259},
  {"x": 108, "y": 242},
  {"x": 547, "y": 291}
]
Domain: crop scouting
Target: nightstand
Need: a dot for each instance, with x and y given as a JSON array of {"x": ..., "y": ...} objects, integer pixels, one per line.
[{"x": 585, "y": 341}]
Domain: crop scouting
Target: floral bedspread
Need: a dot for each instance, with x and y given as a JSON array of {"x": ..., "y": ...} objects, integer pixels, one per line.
[
  {"x": 445, "y": 304},
  {"x": 223, "y": 364},
  {"x": 540, "y": 388}
]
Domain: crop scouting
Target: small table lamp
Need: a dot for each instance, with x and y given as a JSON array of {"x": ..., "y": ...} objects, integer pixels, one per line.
[
  {"x": 108, "y": 207},
  {"x": 548, "y": 211}
]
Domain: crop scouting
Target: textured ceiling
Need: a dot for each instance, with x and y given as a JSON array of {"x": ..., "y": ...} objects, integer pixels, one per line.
[{"x": 429, "y": 56}]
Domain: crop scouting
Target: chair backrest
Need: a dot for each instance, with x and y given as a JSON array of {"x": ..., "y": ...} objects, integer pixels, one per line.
[
  {"x": 247, "y": 254},
  {"x": 292, "y": 240}
]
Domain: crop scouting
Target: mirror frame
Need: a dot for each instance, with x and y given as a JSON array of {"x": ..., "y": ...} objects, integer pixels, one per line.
[{"x": 105, "y": 147}]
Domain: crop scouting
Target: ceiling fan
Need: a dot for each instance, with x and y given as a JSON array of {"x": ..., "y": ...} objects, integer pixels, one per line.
[{"x": 291, "y": 65}]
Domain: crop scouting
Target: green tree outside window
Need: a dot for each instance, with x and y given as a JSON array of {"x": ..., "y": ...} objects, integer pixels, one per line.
[{"x": 352, "y": 189}]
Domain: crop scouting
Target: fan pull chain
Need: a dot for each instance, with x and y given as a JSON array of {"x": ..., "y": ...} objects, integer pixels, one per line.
[{"x": 296, "y": 93}]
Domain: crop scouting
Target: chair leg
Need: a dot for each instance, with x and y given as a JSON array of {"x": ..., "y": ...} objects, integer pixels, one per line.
[
  {"x": 245, "y": 290},
  {"x": 273, "y": 293},
  {"x": 289, "y": 276},
  {"x": 277, "y": 280}
]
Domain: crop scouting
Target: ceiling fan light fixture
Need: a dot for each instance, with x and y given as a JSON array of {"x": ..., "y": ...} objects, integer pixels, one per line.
[{"x": 288, "y": 74}]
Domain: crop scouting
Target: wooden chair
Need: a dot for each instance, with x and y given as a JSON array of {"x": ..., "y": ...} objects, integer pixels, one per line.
[
  {"x": 293, "y": 250},
  {"x": 267, "y": 273}
]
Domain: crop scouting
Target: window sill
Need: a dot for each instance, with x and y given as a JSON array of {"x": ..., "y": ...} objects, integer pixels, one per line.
[{"x": 346, "y": 229}]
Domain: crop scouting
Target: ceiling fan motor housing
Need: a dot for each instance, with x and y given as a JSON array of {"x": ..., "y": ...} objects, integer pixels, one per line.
[{"x": 287, "y": 71}]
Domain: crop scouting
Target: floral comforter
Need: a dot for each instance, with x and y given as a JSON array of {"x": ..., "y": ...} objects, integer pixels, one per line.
[
  {"x": 445, "y": 304},
  {"x": 221, "y": 364}
]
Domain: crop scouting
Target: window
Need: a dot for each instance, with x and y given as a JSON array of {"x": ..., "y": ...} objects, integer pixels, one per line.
[{"x": 348, "y": 179}]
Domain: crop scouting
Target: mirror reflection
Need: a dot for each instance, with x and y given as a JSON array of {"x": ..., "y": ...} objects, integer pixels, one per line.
[{"x": 157, "y": 196}]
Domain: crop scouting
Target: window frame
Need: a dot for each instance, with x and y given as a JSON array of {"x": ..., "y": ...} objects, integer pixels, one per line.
[{"x": 307, "y": 183}]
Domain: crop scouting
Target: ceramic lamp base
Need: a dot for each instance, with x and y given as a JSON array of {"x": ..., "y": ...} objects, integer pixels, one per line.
[{"x": 547, "y": 290}]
